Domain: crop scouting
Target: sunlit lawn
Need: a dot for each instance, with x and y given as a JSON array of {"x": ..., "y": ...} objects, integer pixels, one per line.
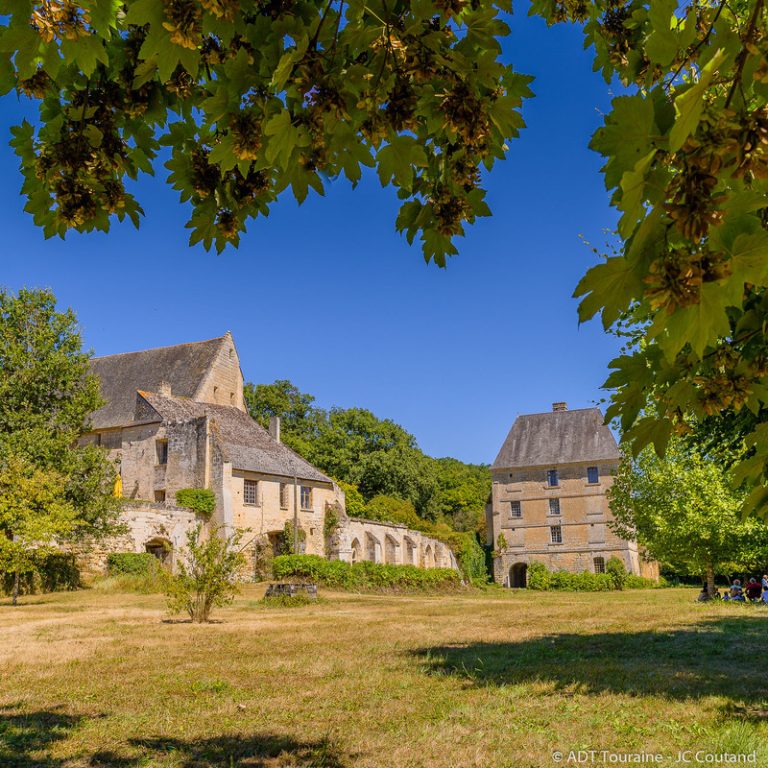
[{"x": 499, "y": 679}]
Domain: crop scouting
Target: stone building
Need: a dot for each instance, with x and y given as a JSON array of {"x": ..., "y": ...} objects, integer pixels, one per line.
[
  {"x": 548, "y": 501},
  {"x": 175, "y": 418}
]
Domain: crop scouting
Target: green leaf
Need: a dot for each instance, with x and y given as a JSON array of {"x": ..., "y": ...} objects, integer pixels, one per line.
[
  {"x": 86, "y": 52},
  {"x": 690, "y": 103},
  {"x": 398, "y": 159},
  {"x": 649, "y": 430},
  {"x": 632, "y": 197},
  {"x": 662, "y": 44},
  {"x": 610, "y": 287},
  {"x": 284, "y": 137},
  {"x": 700, "y": 325}
]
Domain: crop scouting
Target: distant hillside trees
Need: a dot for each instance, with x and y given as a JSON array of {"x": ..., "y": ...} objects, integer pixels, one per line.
[
  {"x": 52, "y": 488},
  {"x": 376, "y": 456}
]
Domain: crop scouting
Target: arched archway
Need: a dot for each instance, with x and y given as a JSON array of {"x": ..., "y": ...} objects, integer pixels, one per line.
[
  {"x": 518, "y": 576},
  {"x": 161, "y": 548},
  {"x": 390, "y": 550},
  {"x": 409, "y": 551},
  {"x": 429, "y": 559},
  {"x": 357, "y": 551},
  {"x": 372, "y": 548}
]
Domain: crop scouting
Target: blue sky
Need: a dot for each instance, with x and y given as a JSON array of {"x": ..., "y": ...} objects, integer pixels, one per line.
[{"x": 330, "y": 296}]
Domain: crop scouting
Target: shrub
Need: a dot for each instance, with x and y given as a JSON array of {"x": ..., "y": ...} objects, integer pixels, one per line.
[
  {"x": 289, "y": 601},
  {"x": 285, "y": 545},
  {"x": 209, "y": 578},
  {"x": 131, "y": 563},
  {"x": 202, "y": 501},
  {"x": 469, "y": 555},
  {"x": 364, "y": 575},
  {"x": 539, "y": 576},
  {"x": 616, "y": 569},
  {"x": 50, "y": 572},
  {"x": 639, "y": 582},
  {"x": 263, "y": 555}
]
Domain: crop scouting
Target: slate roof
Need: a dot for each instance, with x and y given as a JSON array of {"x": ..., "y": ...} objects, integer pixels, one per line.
[
  {"x": 245, "y": 443},
  {"x": 183, "y": 366},
  {"x": 558, "y": 437}
]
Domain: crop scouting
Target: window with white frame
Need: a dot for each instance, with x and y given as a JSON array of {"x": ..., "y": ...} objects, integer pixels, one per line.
[
  {"x": 283, "y": 495},
  {"x": 515, "y": 509},
  {"x": 556, "y": 534},
  {"x": 250, "y": 492},
  {"x": 554, "y": 506},
  {"x": 593, "y": 476},
  {"x": 306, "y": 497},
  {"x": 552, "y": 478}
]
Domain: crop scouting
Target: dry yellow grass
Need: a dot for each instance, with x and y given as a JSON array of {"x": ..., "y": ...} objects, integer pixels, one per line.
[{"x": 497, "y": 679}]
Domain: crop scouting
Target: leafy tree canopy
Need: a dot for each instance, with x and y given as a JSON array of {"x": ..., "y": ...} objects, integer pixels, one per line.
[
  {"x": 684, "y": 511},
  {"x": 46, "y": 397},
  {"x": 255, "y": 98}
]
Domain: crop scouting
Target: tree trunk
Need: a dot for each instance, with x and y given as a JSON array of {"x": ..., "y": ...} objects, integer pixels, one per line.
[
  {"x": 710, "y": 580},
  {"x": 15, "y": 600}
]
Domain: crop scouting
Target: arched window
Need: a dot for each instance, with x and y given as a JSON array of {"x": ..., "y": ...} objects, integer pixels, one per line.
[{"x": 599, "y": 564}]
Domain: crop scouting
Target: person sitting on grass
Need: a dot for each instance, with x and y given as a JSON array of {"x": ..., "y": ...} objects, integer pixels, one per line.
[
  {"x": 765, "y": 583},
  {"x": 704, "y": 595},
  {"x": 735, "y": 592},
  {"x": 753, "y": 590}
]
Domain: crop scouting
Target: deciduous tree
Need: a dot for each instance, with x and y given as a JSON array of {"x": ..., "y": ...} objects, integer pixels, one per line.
[{"x": 684, "y": 511}]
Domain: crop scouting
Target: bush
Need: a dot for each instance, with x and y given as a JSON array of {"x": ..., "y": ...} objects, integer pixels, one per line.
[
  {"x": 202, "y": 501},
  {"x": 364, "y": 575},
  {"x": 289, "y": 601},
  {"x": 209, "y": 578},
  {"x": 130, "y": 563},
  {"x": 541, "y": 578},
  {"x": 469, "y": 555},
  {"x": 639, "y": 582},
  {"x": 616, "y": 569},
  {"x": 52, "y": 572}
]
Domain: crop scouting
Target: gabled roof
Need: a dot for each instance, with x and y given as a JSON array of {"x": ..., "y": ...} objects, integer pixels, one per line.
[
  {"x": 245, "y": 443},
  {"x": 183, "y": 366},
  {"x": 558, "y": 437}
]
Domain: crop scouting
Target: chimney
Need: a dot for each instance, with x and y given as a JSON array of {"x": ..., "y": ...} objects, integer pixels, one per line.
[
  {"x": 164, "y": 389},
  {"x": 274, "y": 427},
  {"x": 559, "y": 407}
]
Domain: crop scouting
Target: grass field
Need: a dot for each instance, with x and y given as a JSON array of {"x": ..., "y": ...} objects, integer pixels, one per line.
[{"x": 492, "y": 680}]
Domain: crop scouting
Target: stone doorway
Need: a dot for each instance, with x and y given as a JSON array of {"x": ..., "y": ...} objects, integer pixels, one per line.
[
  {"x": 161, "y": 549},
  {"x": 518, "y": 576}
]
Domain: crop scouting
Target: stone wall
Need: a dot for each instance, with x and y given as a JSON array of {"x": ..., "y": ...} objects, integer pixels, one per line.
[
  {"x": 357, "y": 539},
  {"x": 146, "y": 524},
  {"x": 223, "y": 384}
]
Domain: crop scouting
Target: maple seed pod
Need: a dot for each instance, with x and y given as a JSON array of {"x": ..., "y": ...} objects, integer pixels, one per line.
[{"x": 183, "y": 22}]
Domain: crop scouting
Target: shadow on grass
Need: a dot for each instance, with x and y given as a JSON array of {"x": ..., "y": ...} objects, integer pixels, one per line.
[
  {"x": 719, "y": 657},
  {"x": 26, "y": 739},
  {"x": 24, "y": 735},
  {"x": 262, "y": 750}
]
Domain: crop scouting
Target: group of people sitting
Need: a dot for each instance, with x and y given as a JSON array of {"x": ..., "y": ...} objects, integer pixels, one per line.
[{"x": 753, "y": 592}]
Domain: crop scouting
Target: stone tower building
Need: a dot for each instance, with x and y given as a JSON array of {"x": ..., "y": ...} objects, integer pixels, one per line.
[{"x": 548, "y": 500}]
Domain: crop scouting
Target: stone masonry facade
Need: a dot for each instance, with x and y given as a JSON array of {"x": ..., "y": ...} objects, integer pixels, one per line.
[{"x": 548, "y": 501}]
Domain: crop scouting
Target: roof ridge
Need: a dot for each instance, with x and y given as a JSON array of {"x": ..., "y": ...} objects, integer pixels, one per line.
[
  {"x": 567, "y": 410},
  {"x": 167, "y": 346}
]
